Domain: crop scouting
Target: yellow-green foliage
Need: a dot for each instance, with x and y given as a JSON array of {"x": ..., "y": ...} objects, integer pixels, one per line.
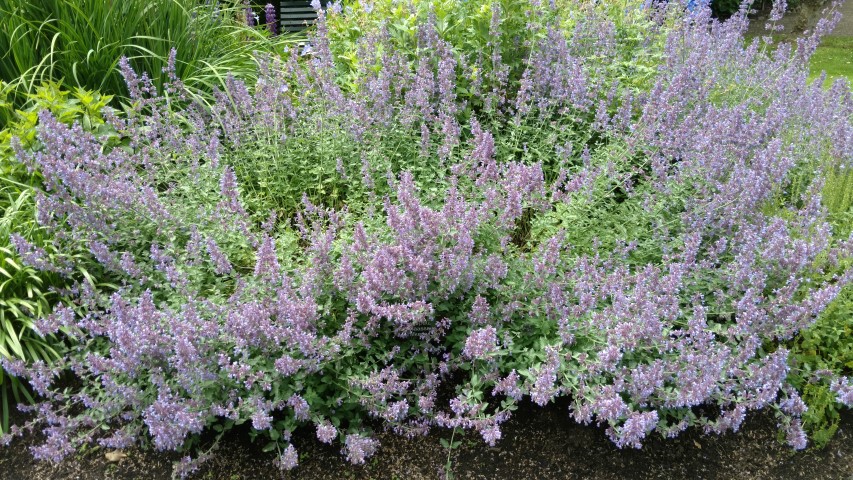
[
  {"x": 838, "y": 190},
  {"x": 826, "y": 345},
  {"x": 25, "y": 292},
  {"x": 80, "y": 105},
  {"x": 465, "y": 25}
]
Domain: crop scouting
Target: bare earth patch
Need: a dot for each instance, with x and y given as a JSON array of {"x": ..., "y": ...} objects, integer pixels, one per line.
[{"x": 537, "y": 444}]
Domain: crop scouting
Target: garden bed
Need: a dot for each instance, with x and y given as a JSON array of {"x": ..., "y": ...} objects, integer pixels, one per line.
[
  {"x": 629, "y": 217},
  {"x": 538, "y": 443}
]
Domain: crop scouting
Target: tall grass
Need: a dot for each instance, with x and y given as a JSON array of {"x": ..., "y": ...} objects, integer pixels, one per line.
[{"x": 81, "y": 41}]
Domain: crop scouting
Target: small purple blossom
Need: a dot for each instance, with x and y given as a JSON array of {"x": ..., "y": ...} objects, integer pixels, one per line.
[
  {"x": 220, "y": 262},
  {"x": 481, "y": 343},
  {"x": 170, "y": 420},
  {"x": 635, "y": 428},
  {"x": 795, "y": 435},
  {"x": 509, "y": 386},
  {"x": 358, "y": 448},
  {"x": 397, "y": 411},
  {"x": 261, "y": 420},
  {"x": 250, "y": 15},
  {"x": 326, "y": 432},
  {"x": 289, "y": 458},
  {"x": 301, "y": 409},
  {"x": 842, "y": 387},
  {"x": 491, "y": 434},
  {"x": 267, "y": 265},
  {"x": 31, "y": 255}
]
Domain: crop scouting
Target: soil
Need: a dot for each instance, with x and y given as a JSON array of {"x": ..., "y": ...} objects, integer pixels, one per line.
[{"x": 538, "y": 443}]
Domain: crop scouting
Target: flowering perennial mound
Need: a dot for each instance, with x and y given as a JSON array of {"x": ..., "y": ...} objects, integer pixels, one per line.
[{"x": 329, "y": 250}]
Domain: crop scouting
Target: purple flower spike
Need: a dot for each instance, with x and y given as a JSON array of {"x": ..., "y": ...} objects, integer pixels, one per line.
[
  {"x": 481, "y": 343},
  {"x": 269, "y": 10},
  {"x": 289, "y": 458},
  {"x": 250, "y": 15},
  {"x": 326, "y": 432},
  {"x": 358, "y": 448}
]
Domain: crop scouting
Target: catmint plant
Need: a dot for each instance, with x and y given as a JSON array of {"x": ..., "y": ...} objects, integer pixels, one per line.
[{"x": 326, "y": 249}]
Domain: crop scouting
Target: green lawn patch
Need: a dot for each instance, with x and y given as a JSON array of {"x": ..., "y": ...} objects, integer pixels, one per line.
[{"x": 835, "y": 57}]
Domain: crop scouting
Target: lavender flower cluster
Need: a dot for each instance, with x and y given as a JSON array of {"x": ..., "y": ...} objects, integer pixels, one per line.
[
  {"x": 252, "y": 18},
  {"x": 227, "y": 311}
]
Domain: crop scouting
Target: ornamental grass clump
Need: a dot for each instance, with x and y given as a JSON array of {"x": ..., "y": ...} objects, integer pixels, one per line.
[
  {"x": 78, "y": 43},
  {"x": 429, "y": 241}
]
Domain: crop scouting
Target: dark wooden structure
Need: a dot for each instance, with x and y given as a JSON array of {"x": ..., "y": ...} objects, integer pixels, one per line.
[{"x": 295, "y": 15}]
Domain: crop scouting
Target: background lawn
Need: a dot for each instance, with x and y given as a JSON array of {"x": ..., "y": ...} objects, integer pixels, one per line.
[{"x": 835, "y": 57}]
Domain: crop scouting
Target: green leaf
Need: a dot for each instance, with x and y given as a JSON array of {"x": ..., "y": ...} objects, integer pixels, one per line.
[
  {"x": 4, "y": 404},
  {"x": 12, "y": 340}
]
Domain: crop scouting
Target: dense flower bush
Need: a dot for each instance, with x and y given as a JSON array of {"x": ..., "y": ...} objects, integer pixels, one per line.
[
  {"x": 26, "y": 291},
  {"x": 425, "y": 240}
]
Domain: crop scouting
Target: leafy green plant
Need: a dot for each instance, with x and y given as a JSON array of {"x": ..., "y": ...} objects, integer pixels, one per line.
[
  {"x": 80, "y": 42},
  {"x": 79, "y": 105},
  {"x": 825, "y": 349},
  {"x": 24, "y": 296},
  {"x": 494, "y": 36},
  {"x": 838, "y": 190},
  {"x": 563, "y": 239},
  {"x": 450, "y": 446},
  {"x": 827, "y": 346},
  {"x": 27, "y": 293}
]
